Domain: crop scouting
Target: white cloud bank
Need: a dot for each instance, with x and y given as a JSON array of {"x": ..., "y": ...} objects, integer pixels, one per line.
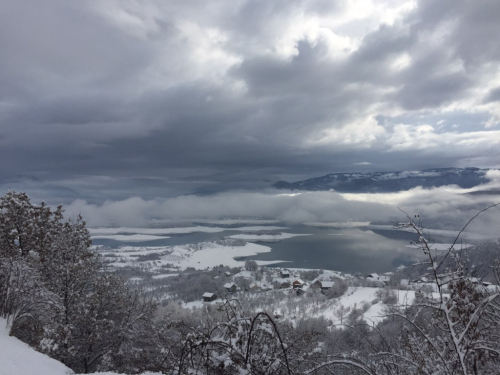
[{"x": 447, "y": 207}]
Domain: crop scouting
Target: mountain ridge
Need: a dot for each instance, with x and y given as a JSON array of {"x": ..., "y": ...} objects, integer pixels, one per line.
[{"x": 389, "y": 182}]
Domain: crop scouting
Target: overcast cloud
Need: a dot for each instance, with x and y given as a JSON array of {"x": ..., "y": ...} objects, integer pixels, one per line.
[
  {"x": 156, "y": 98},
  {"x": 443, "y": 208}
]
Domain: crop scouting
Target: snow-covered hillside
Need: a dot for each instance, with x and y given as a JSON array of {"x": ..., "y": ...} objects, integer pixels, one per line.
[
  {"x": 390, "y": 181},
  {"x": 18, "y": 358}
]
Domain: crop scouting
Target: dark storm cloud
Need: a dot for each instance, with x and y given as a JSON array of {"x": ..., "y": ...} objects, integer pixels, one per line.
[
  {"x": 493, "y": 96},
  {"x": 156, "y": 98}
]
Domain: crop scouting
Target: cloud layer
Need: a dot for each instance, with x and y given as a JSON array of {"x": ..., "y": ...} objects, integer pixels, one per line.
[
  {"x": 153, "y": 98},
  {"x": 446, "y": 207}
]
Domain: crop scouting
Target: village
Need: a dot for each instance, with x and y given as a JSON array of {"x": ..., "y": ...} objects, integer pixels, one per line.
[
  {"x": 208, "y": 274},
  {"x": 289, "y": 280},
  {"x": 331, "y": 295}
]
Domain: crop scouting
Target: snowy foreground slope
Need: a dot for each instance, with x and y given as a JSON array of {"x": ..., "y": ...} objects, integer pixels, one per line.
[{"x": 18, "y": 358}]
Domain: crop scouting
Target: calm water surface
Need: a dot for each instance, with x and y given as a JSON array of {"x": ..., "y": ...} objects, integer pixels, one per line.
[{"x": 346, "y": 250}]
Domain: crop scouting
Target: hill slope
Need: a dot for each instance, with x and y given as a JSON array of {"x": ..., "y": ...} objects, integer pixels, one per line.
[
  {"x": 386, "y": 182},
  {"x": 18, "y": 358}
]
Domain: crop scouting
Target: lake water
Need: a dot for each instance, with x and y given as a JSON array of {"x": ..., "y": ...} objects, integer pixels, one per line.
[{"x": 347, "y": 250}]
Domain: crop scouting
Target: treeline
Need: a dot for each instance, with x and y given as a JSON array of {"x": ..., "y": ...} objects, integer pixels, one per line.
[{"x": 57, "y": 298}]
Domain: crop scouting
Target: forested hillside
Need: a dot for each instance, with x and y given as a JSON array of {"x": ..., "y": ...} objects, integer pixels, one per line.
[{"x": 57, "y": 297}]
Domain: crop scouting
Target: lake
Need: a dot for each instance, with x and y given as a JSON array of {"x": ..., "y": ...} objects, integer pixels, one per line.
[{"x": 347, "y": 250}]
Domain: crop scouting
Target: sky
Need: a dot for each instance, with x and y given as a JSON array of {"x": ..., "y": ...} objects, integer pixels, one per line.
[{"x": 155, "y": 99}]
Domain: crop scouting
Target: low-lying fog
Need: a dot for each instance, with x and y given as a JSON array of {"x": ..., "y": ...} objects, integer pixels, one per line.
[{"x": 447, "y": 207}]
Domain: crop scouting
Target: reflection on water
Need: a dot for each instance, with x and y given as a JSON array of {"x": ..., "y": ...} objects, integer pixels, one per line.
[{"x": 346, "y": 250}]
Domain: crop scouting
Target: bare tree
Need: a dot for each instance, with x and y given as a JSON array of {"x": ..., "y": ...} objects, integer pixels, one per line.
[{"x": 457, "y": 332}]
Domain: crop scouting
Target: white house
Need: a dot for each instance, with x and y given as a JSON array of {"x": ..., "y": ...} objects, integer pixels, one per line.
[{"x": 377, "y": 277}]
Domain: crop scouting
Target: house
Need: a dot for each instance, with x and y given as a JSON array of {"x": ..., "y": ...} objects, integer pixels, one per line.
[
  {"x": 385, "y": 278},
  {"x": 284, "y": 274},
  {"x": 298, "y": 284},
  {"x": 253, "y": 287},
  {"x": 209, "y": 297},
  {"x": 325, "y": 285},
  {"x": 278, "y": 314},
  {"x": 316, "y": 283},
  {"x": 376, "y": 277},
  {"x": 230, "y": 287},
  {"x": 227, "y": 273}
]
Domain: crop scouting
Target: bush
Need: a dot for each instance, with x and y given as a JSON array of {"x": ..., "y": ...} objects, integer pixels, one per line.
[
  {"x": 338, "y": 289},
  {"x": 387, "y": 296},
  {"x": 251, "y": 265}
]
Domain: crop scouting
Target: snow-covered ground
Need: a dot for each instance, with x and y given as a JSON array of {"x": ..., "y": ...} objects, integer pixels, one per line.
[
  {"x": 213, "y": 255},
  {"x": 198, "y": 256},
  {"x": 18, "y": 358},
  {"x": 162, "y": 276},
  {"x": 354, "y": 298},
  {"x": 130, "y": 237}
]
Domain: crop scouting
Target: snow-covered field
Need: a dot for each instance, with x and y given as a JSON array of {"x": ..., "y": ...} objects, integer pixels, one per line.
[
  {"x": 354, "y": 298},
  {"x": 162, "y": 276},
  {"x": 198, "y": 256},
  {"x": 129, "y": 238}
]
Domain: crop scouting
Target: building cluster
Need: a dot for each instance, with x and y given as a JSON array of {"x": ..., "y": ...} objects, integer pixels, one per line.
[{"x": 282, "y": 279}]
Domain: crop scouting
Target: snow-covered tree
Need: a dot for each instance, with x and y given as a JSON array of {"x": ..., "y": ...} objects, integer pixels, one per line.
[
  {"x": 54, "y": 293},
  {"x": 456, "y": 329},
  {"x": 26, "y": 233}
]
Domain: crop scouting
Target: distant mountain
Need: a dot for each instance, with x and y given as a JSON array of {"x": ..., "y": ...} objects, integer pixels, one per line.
[{"x": 386, "y": 182}]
